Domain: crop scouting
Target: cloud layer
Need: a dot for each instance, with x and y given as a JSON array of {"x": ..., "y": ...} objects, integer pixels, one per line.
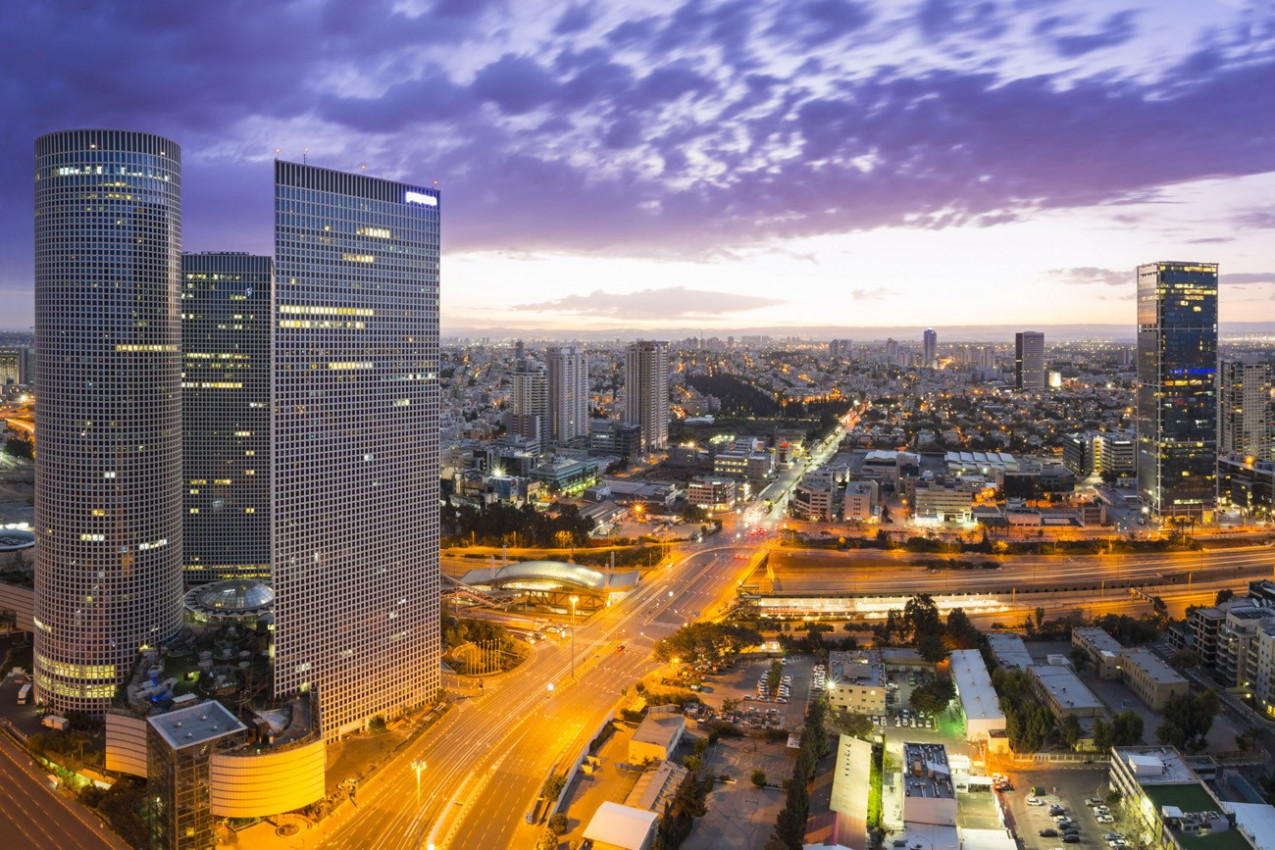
[
  {"x": 674, "y": 129},
  {"x": 675, "y": 302}
]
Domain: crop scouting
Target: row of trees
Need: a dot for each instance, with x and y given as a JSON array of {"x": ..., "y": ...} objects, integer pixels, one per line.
[
  {"x": 1028, "y": 722},
  {"x": 790, "y": 828},
  {"x": 706, "y": 643},
  {"x": 501, "y": 523},
  {"x": 919, "y": 625}
]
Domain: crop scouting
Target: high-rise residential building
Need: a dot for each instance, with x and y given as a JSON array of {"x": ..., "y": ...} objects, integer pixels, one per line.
[
  {"x": 892, "y": 351},
  {"x": 646, "y": 391},
  {"x": 568, "y": 394},
  {"x": 108, "y": 575},
  {"x": 929, "y": 349},
  {"x": 355, "y": 501},
  {"x": 226, "y": 304},
  {"x": 529, "y": 417},
  {"x": 1029, "y": 360},
  {"x": 1176, "y": 405},
  {"x": 1244, "y": 409}
]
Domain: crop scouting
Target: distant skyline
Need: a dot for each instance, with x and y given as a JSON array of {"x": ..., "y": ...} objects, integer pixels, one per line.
[{"x": 721, "y": 165}]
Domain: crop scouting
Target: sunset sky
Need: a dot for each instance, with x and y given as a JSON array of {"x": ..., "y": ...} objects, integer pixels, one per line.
[{"x": 718, "y": 165}]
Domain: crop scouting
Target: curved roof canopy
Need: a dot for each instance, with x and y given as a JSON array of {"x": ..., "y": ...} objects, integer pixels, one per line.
[
  {"x": 230, "y": 598},
  {"x": 541, "y": 574}
]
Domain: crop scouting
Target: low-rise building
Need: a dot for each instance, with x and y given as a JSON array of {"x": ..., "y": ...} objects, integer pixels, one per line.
[
  {"x": 1169, "y": 806},
  {"x": 1151, "y": 679},
  {"x": 929, "y": 795},
  {"x": 713, "y": 494},
  {"x": 656, "y": 737},
  {"x": 1009, "y": 651},
  {"x": 984, "y": 720},
  {"x": 1064, "y": 693},
  {"x": 856, "y": 682},
  {"x": 618, "y": 827},
  {"x": 1103, "y": 650},
  {"x": 860, "y": 501}
]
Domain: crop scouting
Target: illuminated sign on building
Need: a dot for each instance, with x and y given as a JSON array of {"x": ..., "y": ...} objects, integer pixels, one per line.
[{"x": 419, "y": 198}]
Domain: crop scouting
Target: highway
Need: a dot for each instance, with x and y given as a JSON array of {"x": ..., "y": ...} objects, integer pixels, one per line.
[
  {"x": 486, "y": 760},
  {"x": 33, "y": 815},
  {"x": 875, "y": 572}
]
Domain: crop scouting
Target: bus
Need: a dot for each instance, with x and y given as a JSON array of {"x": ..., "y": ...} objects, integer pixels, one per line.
[{"x": 24, "y": 694}]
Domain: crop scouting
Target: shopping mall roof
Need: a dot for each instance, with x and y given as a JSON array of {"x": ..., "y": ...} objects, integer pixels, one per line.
[
  {"x": 536, "y": 574},
  {"x": 13, "y": 539},
  {"x": 231, "y": 598}
]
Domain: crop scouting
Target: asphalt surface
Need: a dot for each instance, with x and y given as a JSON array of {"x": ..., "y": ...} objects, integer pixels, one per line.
[
  {"x": 33, "y": 815},
  {"x": 485, "y": 762}
]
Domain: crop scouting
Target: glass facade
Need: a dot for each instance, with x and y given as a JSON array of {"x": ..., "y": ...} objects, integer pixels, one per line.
[
  {"x": 355, "y": 508},
  {"x": 1177, "y": 402},
  {"x": 226, "y": 303},
  {"x": 108, "y": 421},
  {"x": 646, "y": 392}
]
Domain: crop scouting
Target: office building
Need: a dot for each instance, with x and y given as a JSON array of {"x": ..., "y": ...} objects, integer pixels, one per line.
[
  {"x": 1078, "y": 454},
  {"x": 1116, "y": 453},
  {"x": 1154, "y": 681},
  {"x": 568, "y": 394},
  {"x": 226, "y": 303},
  {"x": 529, "y": 417},
  {"x": 929, "y": 349},
  {"x": 1176, "y": 406},
  {"x": 646, "y": 392},
  {"x": 17, "y": 365},
  {"x": 108, "y": 473},
  {"x": 1244, "y": 409},
  {"x": 356, "y": 467},
  {"x": 1029, "y": 360}
]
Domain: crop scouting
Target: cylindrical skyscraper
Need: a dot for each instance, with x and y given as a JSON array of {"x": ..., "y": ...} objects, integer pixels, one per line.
[{"x": 108, "y": 417}]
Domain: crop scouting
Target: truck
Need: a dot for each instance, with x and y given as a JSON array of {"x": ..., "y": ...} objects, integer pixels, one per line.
[
  {"x": 55, "y": 721},
  {"x": 24, "y": 694}
]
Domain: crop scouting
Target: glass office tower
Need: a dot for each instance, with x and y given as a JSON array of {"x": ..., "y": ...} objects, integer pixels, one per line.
[
  {"x": 226, "y": 317},
  {"x": 355, "y": 517},
  {"x": 108, "y": 420},
  {"x": 1029, "y": 360},
  {"x": 1177, "y": 404},
  {"x": 646, "y": 391}
]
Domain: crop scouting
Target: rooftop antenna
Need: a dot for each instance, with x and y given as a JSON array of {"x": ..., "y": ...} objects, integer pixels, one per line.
[{"x": 305, "y": 155}]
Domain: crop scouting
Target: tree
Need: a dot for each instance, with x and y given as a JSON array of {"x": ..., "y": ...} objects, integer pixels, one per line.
[
  {"x": 921, "y": 616},
  {"x": 1185, "y": 659},
  {"x": 759, "y": 778},
  {"x": 1187, "y": 720},
  {"x": 1071, "y": 731},
  {"x": 1224, "y": 595},
  {"x": 934, "y": 696},
  {"x": 854, "y": 725},
  {"x": 1126, "y": 729},
  {"x": 961, "y": 632},
  {"x": 558, "y": 823},
  {"x": 932, "y": 649},
  {"x": 1079, "y": 658}
]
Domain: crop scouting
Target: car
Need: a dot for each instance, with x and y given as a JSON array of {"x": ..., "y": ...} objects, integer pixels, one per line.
[
  {"x": 1065, "y": 823},
  {"x": 1071, "y": 838},
  {"x": 1105, "y": 819},
  {"x": 1093, "y": 801},
  {"x": 1111, "y": 836},
  {"x": 1035, "y": 801},
  {"x": 1057, "y": 810},
  {"x": 1049, "y": 833}
]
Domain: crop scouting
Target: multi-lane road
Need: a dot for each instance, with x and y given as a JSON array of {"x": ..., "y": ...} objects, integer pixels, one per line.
[
  {"x": 486, "y": 760},
  {"x": 36, "y": 816}
]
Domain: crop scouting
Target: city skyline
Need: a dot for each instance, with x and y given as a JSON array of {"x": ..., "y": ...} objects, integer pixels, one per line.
[{"x": 710, "y": 165}]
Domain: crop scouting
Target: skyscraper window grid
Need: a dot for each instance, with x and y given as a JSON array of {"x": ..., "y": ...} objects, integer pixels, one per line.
[
  {"x": 226, "y": 415},
  {"x": 108, "y": 423},
  {"x": 355, "y": 521},
  {"x": 1176, "y": 395}
]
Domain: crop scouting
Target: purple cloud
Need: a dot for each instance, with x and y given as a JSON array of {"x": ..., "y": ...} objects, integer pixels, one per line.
[{"x": 674, "y": 302}]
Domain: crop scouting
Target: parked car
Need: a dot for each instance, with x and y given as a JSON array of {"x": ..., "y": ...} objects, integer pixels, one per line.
[
  {"x": 1049, "y": 833},
  {"x": 1105, "y": 819},
  {"x": 1071, "y": 838},
  {"x": 1035, "y": 801}
]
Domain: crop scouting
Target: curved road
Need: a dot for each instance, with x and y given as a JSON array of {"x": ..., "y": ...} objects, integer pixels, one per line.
[{"x": 487, "y": 758}]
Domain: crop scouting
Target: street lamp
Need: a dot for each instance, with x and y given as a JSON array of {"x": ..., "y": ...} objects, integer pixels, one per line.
[
  {"x": 574, "y": 600},
  {"x": 418, "y": 765}
]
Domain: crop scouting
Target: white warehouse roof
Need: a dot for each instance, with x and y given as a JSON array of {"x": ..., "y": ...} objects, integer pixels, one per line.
[{"x": 974, "y": 686}]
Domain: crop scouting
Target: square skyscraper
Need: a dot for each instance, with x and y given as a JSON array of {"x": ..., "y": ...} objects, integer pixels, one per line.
[
  {"x": 355, "y": 516},
  {"x": 1177, "y": 405}
]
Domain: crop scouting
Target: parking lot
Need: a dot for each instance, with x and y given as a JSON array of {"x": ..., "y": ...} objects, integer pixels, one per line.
[
  {"x": 1063, "y": 786},
  {"x": 740, "y": 684}
]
